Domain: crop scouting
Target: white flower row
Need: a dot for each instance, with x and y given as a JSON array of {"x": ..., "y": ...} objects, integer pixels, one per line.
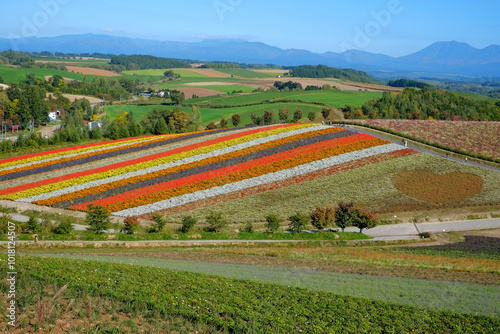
[
  {"x": 128, "y": 143},
  {"x": 259, "y": 180},
  {"x": 144, "y": 171}
]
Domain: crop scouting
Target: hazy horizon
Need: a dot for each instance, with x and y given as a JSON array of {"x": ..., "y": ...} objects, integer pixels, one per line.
[{"x": 391, "y": 27}]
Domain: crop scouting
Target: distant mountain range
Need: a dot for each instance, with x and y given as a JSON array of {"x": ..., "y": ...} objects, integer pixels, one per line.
[{"x": 441, "y": 59}]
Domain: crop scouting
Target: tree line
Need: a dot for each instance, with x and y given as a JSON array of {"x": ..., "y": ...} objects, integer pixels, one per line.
[
  {"x": 140, "y": 62},
  {"x": 427, "y": 103},
  {"x": 323, "y": 71}
]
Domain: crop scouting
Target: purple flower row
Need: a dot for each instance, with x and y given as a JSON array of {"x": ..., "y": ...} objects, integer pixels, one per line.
[
  {"x": 206, "y": 168},
  {"x": 91, "y": 158}
]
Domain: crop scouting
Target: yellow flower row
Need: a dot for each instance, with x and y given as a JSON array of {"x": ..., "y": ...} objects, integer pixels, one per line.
[
  {"x": 79, "y": 150},
  {"x": 151, "y": 163}
]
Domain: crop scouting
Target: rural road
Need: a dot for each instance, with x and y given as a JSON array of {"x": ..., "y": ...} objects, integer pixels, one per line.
[{"x": 403, "y": 231}]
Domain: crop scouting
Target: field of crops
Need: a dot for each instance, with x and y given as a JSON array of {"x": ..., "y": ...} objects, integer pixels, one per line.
[
  {"x": 244, "y": 173},
  {"x": 10, "y": 74},
  {"x": 477, "y": 138},
  {"x": 211, "y": 303},
  {"x": 330, "y": 97}
]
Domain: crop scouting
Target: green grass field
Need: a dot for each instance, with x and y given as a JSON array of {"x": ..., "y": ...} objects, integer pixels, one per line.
[
  {"x": 10, "y": 74},
  {"x": 329, "y": 97},
  {"x": 244, "y": 73},
  {"x": 215, "y": 114},
  {"x": 75, "y": 62}
]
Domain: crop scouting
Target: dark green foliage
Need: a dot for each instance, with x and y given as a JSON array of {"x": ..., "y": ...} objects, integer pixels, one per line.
[
  {"x": 223, "y": 123},
  {"x": 236, "y": 119},
  {"x": 424, "y": 103},
  {"x": 321, "y": 218},
  {"x": 344, "y": 215},
  {"x": 142, "y": 62},
  {"x": 289, "y": 85},
  {"x": 325, "y": 112},
  {"x": 188, "y": 223},
  {"x": 403, "y": 83},
  {"x": 248, "y": 228},
  {"x": 130, "y": 225},
  {"x": 215, "y": 222},
  {"x": 177, "y": 97},
  {"x": 311, "y": 115},
  {"x": 32, "y": 225},
  {"x": 268, "y": 118},
  {"x": 322, "y": 71},
  {"x": 159, "y": 223},
  {"x": 283, "y": 115},
  {"x": 65, "y": 226},
  {"x": 272, "y": 223},
  {"x": 297, "y": 115},
  {"x": 298, "y": 222},
  {"x": 98, "y": 219}
]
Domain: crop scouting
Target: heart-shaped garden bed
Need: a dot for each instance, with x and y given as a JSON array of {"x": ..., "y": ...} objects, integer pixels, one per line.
[{"x": 433, "y": 188}]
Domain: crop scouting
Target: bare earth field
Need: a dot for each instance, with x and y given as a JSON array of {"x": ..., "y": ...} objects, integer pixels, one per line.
[
  {"x": 73, "y": 97},
  {"x": 269, "y": 82},
  {"x": 91, "y": 71}
]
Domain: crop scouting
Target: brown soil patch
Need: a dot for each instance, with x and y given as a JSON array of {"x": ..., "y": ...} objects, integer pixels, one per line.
[
  {"x": 209, "y": 72},
  {"x": 200, "y": 92},
  {"x": 438, "y": 189},
  {"x": 267, "y": 83},
  {"x": 91, "y": 71},
  {"x": 73, "y": 97}
]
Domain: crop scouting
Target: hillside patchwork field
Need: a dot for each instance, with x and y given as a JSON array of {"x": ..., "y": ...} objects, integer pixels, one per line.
[{"x": 244, "y": 173}]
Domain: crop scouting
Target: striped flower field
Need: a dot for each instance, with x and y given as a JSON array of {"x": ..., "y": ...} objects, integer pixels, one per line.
[{"x": 235, "y": 164}]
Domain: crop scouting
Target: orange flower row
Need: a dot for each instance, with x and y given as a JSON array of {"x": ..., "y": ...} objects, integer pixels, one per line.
[
  {"x": 243, "y": 171},
  {"x": 107, "y": 186}
]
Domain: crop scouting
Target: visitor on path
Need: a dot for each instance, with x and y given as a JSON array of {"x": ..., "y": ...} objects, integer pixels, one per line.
[
  {"x": 36, "y": 238},
  {"x": 465, "y": 159}
]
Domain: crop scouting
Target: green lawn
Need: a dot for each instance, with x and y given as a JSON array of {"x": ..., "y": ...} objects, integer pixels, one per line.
[
  {"x": 329, "y": 97},
  {"x": 244, "y": 73},
  {"x": 10, "y": 74},
  {"x": 215, "y": 114}
]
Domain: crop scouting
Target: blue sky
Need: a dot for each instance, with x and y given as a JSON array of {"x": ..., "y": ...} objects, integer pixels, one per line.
[{"x": 393, "y": 27}]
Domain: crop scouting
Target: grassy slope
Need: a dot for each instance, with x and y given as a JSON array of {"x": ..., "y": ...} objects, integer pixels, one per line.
[
  {"x": 330, "y": 97},
  {"x": 380, "y": 195},
  {"x": 252, "y": 306},
  {"x": 10, "y": 74},
  {"x": 441, "y": 296},
  {"x": 215, "y": 114}
]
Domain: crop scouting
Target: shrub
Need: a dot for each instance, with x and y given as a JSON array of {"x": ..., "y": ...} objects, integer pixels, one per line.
[
  {"x": 273, "y": 223},
  {"x": 297, "y": 222},
  {"x": 322, "y": 217},
  {"x": 188, "y": 223},
  {"x": 65, "y": 226},
  {"x": 130, "y": 225},
  {"x": 311, "y": 115},
  {"x": 4, "y": 224},
  {"x": 98, "y": 218},
  {"x": 32, "y": 225},
  {"x": 248, "y": 228},
  {"x": 215, "y": 222},
  {"x": 159, "y": 224},
  {"x": 297, "y": 115}
]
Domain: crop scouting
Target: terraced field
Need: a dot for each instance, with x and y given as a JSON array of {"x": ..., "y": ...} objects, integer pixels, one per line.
[{"x": 245, "y": 172}]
